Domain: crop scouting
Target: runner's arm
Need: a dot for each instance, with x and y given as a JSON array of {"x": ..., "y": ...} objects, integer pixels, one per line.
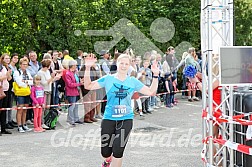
[
  {"x": 88, "y": 84},
  {"x": 149, "y": 91}
]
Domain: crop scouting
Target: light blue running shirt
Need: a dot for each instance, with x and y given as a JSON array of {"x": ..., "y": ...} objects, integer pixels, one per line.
[{"x": 119, "y": 95}]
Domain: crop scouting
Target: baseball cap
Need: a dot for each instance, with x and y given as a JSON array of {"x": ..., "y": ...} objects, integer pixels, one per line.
[
  {"x": 103, "y": 52},
  {"x": 170, "y": 48}
]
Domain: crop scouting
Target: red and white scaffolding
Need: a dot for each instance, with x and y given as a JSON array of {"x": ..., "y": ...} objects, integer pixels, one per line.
[{"x": 216, "y": 30}]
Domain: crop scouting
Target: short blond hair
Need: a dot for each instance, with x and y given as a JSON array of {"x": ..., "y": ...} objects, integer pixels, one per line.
[
  {"x": 124, "y": 56},
  {"x": 191, "y": 50},
  {"x": 23, "y": 60}
]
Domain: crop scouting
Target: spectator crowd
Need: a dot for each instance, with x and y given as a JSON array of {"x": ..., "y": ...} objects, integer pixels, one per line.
[{"x": 59, "y": 78}]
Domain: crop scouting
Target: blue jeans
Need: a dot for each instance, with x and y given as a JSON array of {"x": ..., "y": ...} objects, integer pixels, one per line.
[
  {"x": 23, "y": 100},
  {"x": 72, "y": 116},
  {"x": 172, "y": 98},
  {"x": 55, "y": 94},
  {"x": 168, "y": 100},
  {"x": 152, "y": 101},
  {"x": 183, "y": 84}
]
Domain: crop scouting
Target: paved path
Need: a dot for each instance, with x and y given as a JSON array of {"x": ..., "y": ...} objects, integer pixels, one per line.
[{"x": 166, "y": 138}]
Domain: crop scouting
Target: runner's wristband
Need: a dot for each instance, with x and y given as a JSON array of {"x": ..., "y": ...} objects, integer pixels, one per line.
[{"x": 155, "y": 76}]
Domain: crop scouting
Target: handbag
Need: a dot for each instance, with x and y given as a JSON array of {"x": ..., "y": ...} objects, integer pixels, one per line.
[
  {"x": 20, "y": 91},
  {"x": 2, "y": 94}
]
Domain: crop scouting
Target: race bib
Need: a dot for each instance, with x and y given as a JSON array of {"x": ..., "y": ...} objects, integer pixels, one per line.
[
  {"x": 119, "y": 111},
  {"x": 39, "y": 93}
]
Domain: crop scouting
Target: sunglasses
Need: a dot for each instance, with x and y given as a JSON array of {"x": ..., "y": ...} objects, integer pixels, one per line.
[{"x": 88, "y": 56}]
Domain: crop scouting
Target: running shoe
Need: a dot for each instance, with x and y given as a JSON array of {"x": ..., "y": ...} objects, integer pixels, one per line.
[
  {"x": 107, "y": 162},
  {"x": 26, "y": 128},
  {"x": 21, "y": 130}
]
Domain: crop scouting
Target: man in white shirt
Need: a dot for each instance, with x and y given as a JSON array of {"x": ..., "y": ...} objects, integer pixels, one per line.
[
  {"x": 34, "y": 65},
  {"x": 105, "y": 62}
]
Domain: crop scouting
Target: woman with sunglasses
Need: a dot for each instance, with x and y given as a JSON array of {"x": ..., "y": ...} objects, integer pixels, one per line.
[
  {"x": 118, "y": 114},
  {"x": 23, "y": 79}
]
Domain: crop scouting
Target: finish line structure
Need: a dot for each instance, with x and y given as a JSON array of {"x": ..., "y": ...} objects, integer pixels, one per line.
[{"x": 216, "y": 30}]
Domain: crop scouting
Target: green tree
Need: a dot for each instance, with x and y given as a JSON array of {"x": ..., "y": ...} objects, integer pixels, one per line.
[
  {"x": 60, "y": 24},
  {"x": 243, "y": 24}
]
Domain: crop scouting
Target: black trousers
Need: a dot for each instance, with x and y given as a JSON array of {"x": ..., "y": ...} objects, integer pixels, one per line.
[
  {"x": 29, "y": 115},
  {"x": 114, "y": 137},
  {"x": 2, "y": 118},
  {"x": 145, "y": 104},
  {"x": 3, "y": 104}
]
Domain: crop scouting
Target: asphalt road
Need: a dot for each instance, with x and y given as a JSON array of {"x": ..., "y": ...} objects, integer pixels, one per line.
[{"x": 166, "y": 138}]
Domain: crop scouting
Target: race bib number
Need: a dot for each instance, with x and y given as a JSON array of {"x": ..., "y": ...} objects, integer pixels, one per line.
[
  {"x": 119, "y": 111},
  {"x": 39, "y": 93}
]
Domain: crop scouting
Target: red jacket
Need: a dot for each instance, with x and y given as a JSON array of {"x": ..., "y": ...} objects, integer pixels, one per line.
[{"x": 70, "y": 84}]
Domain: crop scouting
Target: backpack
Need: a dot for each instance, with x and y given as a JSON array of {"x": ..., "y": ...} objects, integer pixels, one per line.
[{"x": 51, "y": 118}]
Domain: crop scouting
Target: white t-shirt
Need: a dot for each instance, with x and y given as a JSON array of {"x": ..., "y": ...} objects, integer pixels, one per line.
[
  {"x": 45, "y": 76},
  {"x": 130, "y": 70}
]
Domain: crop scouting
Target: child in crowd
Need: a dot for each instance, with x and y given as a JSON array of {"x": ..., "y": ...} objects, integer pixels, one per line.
[
  {"x": 145, "y": 76},
  {"x": 169, "y": 90},
  {"x": 38, "y": 100}
]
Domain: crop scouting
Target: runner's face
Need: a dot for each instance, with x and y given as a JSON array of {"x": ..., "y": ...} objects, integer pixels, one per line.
[{"x": 123, "y": 65}]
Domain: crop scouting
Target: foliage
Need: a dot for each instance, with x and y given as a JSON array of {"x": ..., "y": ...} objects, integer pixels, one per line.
[
  {"x": 243, "y": 17},
  {"x": 43, "y": 25}
]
